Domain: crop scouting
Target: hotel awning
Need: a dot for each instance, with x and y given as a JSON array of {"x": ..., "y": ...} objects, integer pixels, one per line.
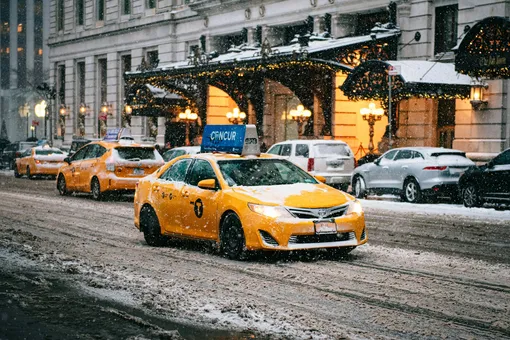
[
  {"x": 148, "y": 100},
  {"x": 484, "y": 52},
  {"x": 369, "y": 81}
]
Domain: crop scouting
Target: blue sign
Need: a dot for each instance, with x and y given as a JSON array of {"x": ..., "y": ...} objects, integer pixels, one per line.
[
  {"x": 223, "y": 138},
  {"x": 112, "y": 134}
]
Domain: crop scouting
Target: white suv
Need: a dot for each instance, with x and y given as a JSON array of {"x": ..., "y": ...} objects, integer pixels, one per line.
[{"x": 331, "y": 159}]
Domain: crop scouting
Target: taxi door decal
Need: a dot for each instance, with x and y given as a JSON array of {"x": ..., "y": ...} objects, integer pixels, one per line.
[{"x": 198, "y": 208}]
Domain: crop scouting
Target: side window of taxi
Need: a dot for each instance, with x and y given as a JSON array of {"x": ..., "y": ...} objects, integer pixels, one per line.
[
  {"x": 27, "y": 153},
  {"x": 80, "y": 154},
  {"x": 201, "y": 170},
  {"x": 177, "y": 172}
]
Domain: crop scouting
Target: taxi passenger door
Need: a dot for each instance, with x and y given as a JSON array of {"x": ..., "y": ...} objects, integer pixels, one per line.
[
  {"x": 166, "y": 196},
  {"x": 72, "y": 171},
  {"x": 24, "y": 160},
  {"x": 87, "y": 166},
  {"x": 199, "y": 208}
]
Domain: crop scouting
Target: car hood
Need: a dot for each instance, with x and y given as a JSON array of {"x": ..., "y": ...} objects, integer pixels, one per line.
[{"x": 299, "y": 195}]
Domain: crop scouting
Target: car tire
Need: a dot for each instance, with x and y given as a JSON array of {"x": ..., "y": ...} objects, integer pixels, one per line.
[
  {"x": 29, "y": 175},
  {"x": 470, "y": 196},
  {"x": 359, "y": 187},
  {"x": 12, "y": 165},
  {"x": 16, "y": 172},
  {"x": 62, "y": 186},
  {"x": 95, "y": 189},
  {"x": 232, "y": 241},
  {"x": 412, "y": 191},
  {"x": 151, "y": 228}
]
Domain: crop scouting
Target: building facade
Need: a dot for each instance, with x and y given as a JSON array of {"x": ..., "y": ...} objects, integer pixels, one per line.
[
  {"x": 94, "y": 42},
  {"x": 24, "y": 64}
]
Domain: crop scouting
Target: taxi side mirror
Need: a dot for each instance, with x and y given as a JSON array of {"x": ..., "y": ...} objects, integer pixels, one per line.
[
  {"x": 67, "y": 160},
  {"x": 320, "y": 179},
  {"x": 209, "y": 184}
]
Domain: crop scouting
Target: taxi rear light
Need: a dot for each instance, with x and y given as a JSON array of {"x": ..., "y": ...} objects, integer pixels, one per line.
[
  {"x": 440, "y": 168},
  {"x": 37, "y": 161},
  {"x": 311, "y": 164}
]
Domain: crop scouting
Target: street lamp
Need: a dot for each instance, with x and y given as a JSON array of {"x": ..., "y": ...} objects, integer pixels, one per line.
[
  {"x": 236, "y": 117},
  {"x": 300, "y": 115},
  {"x": 82, "y": 113},
  {"x": 128, "y": 111},
  {"x": 63, "y": 111},
  {"x": 32, "y": 129},
  {"x": 104, "y": 112},
  {"x": 188, "y": 117},
  {"x": 40, "y": 112},
  {"x": 371, "y": 114}
]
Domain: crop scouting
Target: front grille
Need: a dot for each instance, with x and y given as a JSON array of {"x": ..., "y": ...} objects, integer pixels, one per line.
[
  {"x": 321, "y": 213},
  {"x": 268, "y": 238},
  {"x": 297, "y": 239}
]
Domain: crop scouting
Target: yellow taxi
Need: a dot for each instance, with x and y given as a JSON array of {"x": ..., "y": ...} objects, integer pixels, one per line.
[
  {"x": 243, "y": 200},
  {"x": 39, "y": 161},
  {"x": 107, "y": 166}
]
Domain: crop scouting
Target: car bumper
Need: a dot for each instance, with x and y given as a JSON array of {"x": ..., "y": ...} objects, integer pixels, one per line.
[
  {"x": 112, "y": 182},
  {"x": 443, "y": 189},
  {"x": 47, "y": 169},
  {"x": 334, "y": 179},
  {"x": 263, "y": 233}
]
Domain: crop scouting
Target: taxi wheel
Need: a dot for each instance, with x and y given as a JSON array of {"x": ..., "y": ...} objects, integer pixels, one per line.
[
  {"x": 29, "y": 175},
  {"x": 151, "y": 228},
  {"x": 61, "y": 186},
  {"x": 95, "y": 188},
  {"x": 16, "y": 172},
  {"x": 232, "y": 242}
]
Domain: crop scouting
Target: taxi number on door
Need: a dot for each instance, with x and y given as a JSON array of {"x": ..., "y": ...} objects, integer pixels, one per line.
[
  {"x": 325, "y": 227},
  {"x": 138, "y": 171}
]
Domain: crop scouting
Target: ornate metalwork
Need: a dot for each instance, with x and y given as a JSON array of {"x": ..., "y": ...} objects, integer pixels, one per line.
[{"x": 378, "y": 51}]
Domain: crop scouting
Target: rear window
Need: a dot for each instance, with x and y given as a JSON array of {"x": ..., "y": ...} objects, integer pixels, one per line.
[
  {"x": 131, "y": 153},
  {"x": 332, "y": 149},
  {"x": 48, "y": 152}
]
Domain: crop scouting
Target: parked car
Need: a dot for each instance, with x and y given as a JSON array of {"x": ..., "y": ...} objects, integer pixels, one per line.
[
  {"x": 77, "y": 143},
  {"x": 39, "y": 161},
  {"x": 487, "y": 183},
  {"x": 180, "y": 151},
  {"x": 412, "y": 173},
  {"x": 331, "y": 159},
  {"x": 13, "y": 151},
  {"x": 106, "y": 166}
]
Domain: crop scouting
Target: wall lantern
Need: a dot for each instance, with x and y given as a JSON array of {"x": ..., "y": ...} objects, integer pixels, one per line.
[
  {"x": 63, "y": 110},
  {"x": 236, "y": 117},
  {"x": 477, "y": 93},
  {"x": 83, "y": 109}
]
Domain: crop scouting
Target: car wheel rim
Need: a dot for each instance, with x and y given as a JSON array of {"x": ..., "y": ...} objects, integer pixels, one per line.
[
  {"x": 358, "y": 187},
  {"x": 411, "y": 191},
  {"x": 61, "y": 185},
  {"x": 470, "y": 195},
  {"x": 95, "y": 189}
]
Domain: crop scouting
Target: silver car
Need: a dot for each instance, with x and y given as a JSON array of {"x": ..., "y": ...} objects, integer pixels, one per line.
[{"x": 412, "y": 173}]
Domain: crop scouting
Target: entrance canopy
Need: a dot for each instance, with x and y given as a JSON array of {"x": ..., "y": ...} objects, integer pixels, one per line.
[
  {"x": 416, "y": 78},
  {"x": 485, "y": 50},
  {"x": 148, "y": 100}
]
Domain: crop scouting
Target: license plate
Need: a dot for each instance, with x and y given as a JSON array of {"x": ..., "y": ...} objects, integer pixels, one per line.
[
  {"x": 325, "y": 227},
  {"x": 454, "y": 171},
  {"x": 138, "y": 171}
]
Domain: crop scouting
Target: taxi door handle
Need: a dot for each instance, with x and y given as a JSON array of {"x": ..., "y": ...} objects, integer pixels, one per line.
[
  {"x": 185, "y": 194},
  {"x": 404, "y": 167}
]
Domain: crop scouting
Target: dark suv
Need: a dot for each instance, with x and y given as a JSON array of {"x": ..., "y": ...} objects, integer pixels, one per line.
[
  {"x": 13, "y": 151},
  {"x": 487, "y": 183}
]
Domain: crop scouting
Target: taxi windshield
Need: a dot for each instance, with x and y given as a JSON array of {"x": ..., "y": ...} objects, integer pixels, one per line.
[
  {"x": 135, "y": 153},
  {"x": 258, "y": 172}
]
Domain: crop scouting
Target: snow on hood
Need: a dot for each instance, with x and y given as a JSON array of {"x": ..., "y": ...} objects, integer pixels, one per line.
[{"x": 300, "y": 195}]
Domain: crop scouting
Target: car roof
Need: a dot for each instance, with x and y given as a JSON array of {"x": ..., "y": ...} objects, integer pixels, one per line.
[
  {"x": 220, "y": 156},
  {"x": 312, "y": 141},
  {"x": 186, "y": 148},
  {"x": 115, "y": 144},
  {"x": 429, "y": 150}
]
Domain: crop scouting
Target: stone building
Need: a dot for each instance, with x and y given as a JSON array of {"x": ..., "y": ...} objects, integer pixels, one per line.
[{"x": 266, "y": 57}]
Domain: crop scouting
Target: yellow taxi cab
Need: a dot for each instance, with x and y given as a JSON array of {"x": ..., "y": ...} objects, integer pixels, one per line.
[
  {"x": 39, "y": 161},
  {"x": 107, "y": 166},
  {"x": 243, "y": 200}
]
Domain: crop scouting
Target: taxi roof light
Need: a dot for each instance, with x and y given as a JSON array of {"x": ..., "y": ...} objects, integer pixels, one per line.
[{"x": 234, "y": 139}]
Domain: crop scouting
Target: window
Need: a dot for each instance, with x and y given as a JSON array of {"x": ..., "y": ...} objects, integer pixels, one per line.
[
  {"x": 153, "y": 58},
  {"x": 80, "y": 12},
  {"x": 136, "y": 153},
  {"x": 390, "y": 154},
  {"x": 80, "y": 154},
  {"x": 416, "y": 154},
  {"x": 446, "y": 123},
  {"x": 275, "y": 150},
  {"x": 60, "y": 15},
  {"x": 286, "y": 148},
  {"x": 404, "y": 154},
  {"x": 502, "y": 159},
  {"x": 367, "y": 21},
  {"x": 92, "y": 152},
  {"x": 445, "y": 29},
  {"x": 126, "y": 7},
  {"x": 151, "y": 3},
  {"x": 177, "y": 172},
  {"x": 302, "y": 150},
  {"x": 61, "y": 83},
  {"x": 100, "y": 10},
  {"x": 201, "y": 170},
  {"x": 102, "y": 79}
]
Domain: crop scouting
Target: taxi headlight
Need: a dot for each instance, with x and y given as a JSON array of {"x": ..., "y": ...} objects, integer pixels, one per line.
[
  {"x": 269, "y": 210},
  {"x": 355, "y": 208}
]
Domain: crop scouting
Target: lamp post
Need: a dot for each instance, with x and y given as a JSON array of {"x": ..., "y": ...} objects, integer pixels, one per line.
[
  {"x": 24, "y": 112},
  {"x": 236, "y": 117},
  {"x": 188, "y": 117},
  {"x": 32, "y": 129},
  {"x": 300, "y": 115},
  {"x": 128, "y": 111},
  {"x": 82, "y": 113},
  {"x": 371, "y": 115},
  {"x": 40, "y": 112},
  {"x": 63, "y": 111},
  {"x": 49, "y": 93}
]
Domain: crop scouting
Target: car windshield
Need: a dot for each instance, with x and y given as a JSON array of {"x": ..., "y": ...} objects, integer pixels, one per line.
[
  {"x": 48, "y": 152},
  {"x": 136, "y": 153},
  {"x": 259, "y": 172},
  {"x": 332, "y": 149}
]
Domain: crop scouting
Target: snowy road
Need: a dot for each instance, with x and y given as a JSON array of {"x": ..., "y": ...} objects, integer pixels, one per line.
[{"x": 429, "y": 271}]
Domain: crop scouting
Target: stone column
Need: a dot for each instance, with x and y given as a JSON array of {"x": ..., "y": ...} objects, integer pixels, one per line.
[
  {"x": 343, "y": 25},
  {"x": 91, "y": 123},
  {"x": 112, "y": 66},
  {"x": 137, "y": 122},
  {"x": 70, "y": 120}
]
